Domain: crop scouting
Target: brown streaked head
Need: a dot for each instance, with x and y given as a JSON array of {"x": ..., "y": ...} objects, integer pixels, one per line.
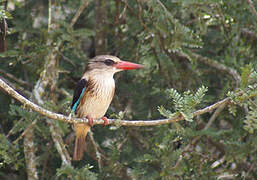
[{"x": 110, "y": 63}]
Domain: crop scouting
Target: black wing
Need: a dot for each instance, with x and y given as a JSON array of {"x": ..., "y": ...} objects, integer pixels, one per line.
[{"x": 78, "y": 92}]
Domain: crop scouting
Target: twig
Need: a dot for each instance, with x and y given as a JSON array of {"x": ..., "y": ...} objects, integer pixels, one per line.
[
  {"x": 67, "y": 59},
  {"x": 14, "y": 127},
  {"x": 250, "y": 34},
  {"x": 200, "y": 58},
  {"x": 122, "y": 143},
  {"x": 67, "y": 119},
  {"x": 26, "y": 130},
  {"x": 139, "y": 16},
  {"x": 80, "y": 10},
  {"x": 216, "y": 65},
  {"x": 252, "y": 8},
  {"x": 119, "y": 169},
  {"x": 157, "y": 59},
  {"x": 20, "y": 81},
  {"x": 97, "y": 153},
  {"x": 250, "y": 169},
  {"x": 59, "y": 144},
  {"x": 213, "y": 117}
]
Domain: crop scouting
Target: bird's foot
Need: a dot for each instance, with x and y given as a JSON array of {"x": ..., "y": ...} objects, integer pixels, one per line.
[
  {"x": 105, "y": 120},
  {"x": 90, "y": 121}
]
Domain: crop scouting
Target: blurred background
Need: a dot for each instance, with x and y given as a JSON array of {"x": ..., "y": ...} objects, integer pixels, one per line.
[{"x": 186, "y": 46}]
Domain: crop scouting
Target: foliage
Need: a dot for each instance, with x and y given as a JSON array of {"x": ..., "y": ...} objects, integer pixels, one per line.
[
  {"x": 248, "y": 92},
  {"x": 184, "y": 105},
  {"x": 164, "y": 36},
  {"x": 76, "y": 174}
]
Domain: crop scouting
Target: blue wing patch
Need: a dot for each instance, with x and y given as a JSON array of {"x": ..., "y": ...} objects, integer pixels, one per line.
[
  {"x": 74, "y": 107},
  {"x": 78, "y": 93}
]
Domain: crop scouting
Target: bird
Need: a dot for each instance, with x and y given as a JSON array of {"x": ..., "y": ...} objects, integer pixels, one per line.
[{"x": 94, "y": 93}]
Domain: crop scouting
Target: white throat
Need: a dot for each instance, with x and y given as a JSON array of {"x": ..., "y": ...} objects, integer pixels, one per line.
[{"x": 103, "y": 81}]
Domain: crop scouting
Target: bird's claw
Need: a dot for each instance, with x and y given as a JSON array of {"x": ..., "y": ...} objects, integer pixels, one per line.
[
  {"x": 105, "y": 120},
  {"x": 90, "y": 121}
]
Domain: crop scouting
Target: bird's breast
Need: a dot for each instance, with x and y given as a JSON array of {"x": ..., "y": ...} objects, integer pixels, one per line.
[{"x": 97, "y": 99}]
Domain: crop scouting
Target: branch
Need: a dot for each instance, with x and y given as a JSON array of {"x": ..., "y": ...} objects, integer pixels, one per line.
[
  {"x": 29, "y": 152},
  {"x": 20, "y": 81},
  {"x": 249, "y": 34},
  {"x": 59, "y": 144},
  {"x": 50, "y": 74},
  {"x": 252, "y": 8},
  {"x": 67, "y": 119},
  {"x": 25, "y": 131},
  {"x": 211, "y": 120},
  {"x": 17, "y": 87},
  {"x": 216, "y": 65},
  {"x": 205, "y": 60},
  {"x": 95, "y": 152},
  {"x": 80, "y": 10},
  {"x": 98, "y": 155}
]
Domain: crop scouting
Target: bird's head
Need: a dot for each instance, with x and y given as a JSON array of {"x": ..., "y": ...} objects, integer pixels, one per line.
[{"x": 111, "y": 64}]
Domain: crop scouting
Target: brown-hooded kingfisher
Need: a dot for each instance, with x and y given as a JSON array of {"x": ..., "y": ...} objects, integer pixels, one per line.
[{"x": 93, "y": 94}]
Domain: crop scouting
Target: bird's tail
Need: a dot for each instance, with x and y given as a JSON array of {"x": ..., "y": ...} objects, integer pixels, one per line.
[{"x": 81, "y": 131}]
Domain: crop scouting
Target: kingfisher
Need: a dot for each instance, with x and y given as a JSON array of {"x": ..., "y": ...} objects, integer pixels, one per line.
[{"x": 94, "y": 93}]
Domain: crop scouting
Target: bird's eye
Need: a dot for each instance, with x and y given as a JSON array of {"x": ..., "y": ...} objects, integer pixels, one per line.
[{"x": 109, "y": 62}]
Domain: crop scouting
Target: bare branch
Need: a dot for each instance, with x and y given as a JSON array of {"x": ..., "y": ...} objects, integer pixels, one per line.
[
  {"x": 252, "y": 8},
  {"x": 95, "y": 152},
  {"x": 29, "y": 152},
  {"x": 59, "y": 144},
  {"x": 26, "y": 130},
  {"x": 67, "y": 119},
  {"x": 20, "y": 81},
  {"x": 216, "y": 65},
  {"x": 80, "y": 10},
  {"x": 98, "y": 154}
]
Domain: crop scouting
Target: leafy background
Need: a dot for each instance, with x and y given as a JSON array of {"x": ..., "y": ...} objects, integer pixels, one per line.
[{"x": 195, "y": 53}]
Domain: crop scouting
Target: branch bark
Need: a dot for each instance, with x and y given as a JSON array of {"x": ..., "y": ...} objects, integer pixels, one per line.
[
  {"x": 49, "y": 78},
  {"x": 67, "y": 119},
  {"x": 29, "y": 152},
  {"x": 252, "y": 8}
]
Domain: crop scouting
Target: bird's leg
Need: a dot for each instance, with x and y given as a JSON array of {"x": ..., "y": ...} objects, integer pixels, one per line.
[
  {"x": 90, "y": 121},
  {"x": 105, "y": 120}
]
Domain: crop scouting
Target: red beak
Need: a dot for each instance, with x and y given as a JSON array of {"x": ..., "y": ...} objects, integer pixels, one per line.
[{"x": 128, "y": 65}]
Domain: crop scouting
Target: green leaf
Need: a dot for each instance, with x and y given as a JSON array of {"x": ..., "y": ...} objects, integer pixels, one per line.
[{"x": 245, "y": 76}]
